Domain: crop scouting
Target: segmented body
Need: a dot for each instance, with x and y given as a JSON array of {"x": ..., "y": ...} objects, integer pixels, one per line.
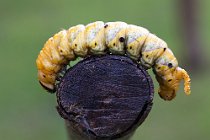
[{"x": 118, "y": 38}]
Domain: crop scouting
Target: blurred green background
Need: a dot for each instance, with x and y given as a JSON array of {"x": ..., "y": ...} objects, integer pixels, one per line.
[{"x": 27, "y": 112}]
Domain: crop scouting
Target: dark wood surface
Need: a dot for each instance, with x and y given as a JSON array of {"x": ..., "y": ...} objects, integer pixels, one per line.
[{"x": 105, "y": 97}]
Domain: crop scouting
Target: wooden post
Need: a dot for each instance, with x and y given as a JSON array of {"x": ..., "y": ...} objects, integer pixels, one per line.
[{"x": 105, "y": 97}]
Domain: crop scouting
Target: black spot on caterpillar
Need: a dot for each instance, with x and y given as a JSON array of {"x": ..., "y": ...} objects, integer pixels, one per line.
[
  {"x": 97, "y": 37},
  {"x": 170, "y": 65},
  {"x": 169, "y": 80},
  {"x": 121, "y": 39},
  {"x": 164, "y": 49}
]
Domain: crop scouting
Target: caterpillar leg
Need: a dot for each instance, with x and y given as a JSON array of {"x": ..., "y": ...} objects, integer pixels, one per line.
[{"x": 61, "y": 72}]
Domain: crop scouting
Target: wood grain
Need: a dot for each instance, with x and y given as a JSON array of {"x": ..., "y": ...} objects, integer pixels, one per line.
[{"x": 104, "y": 97}]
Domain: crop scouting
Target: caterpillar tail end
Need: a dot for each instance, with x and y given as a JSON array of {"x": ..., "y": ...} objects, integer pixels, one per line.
[
  {"x": 49, "y": 87},
  {"x": 187, "y": 90},
  {"x": 187, "y": 81}
]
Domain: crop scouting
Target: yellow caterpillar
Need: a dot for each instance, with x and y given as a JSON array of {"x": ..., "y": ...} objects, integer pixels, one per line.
[{"x": 118, "y": 38}]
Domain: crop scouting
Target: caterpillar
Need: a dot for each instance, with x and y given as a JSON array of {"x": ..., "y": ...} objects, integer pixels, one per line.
[{"x": 118, "y": 38}]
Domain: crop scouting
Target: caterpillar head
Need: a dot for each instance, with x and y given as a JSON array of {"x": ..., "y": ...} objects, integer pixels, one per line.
[
  {"x": 47, "y": 80},
  {"x": 49, "y": 87},
  {"x": 169, "y": 75}
]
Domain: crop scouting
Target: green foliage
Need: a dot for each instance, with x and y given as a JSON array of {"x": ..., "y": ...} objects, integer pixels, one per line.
[{"x": 28, "y": 112}]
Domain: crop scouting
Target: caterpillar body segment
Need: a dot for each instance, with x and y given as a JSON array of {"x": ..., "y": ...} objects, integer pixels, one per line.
[
  {"x": 135, "y": 38},
  {"x": 51, "y": 49},
  {"x": 153, "y": 48},
  {"x": 44, "y": 63},
  {"x": 115, "y": 37},
  {"x": 95, "y": 37},
  {"x": 76, "y": 37},
  {"x": 64, "y": 47}
]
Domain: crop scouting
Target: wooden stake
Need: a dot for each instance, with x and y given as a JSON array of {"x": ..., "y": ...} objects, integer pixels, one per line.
[{"x": 105, "y": 97}]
